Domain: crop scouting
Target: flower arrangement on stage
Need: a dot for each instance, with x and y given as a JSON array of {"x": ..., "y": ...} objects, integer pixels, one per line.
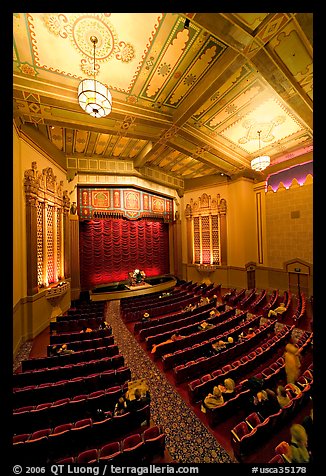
[{"x": 137, "y": 276}]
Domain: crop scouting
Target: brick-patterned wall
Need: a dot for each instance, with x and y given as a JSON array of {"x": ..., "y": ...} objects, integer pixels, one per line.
[{"x": 289, "y": 224}]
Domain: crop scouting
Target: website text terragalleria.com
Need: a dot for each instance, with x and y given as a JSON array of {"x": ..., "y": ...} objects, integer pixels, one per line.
[{"x": 58, "y": 469}]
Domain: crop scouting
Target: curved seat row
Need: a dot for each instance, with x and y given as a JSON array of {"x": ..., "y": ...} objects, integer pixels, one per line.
[
  {"x": 201, "y": 335},
  {"x": 65, "y": 337},
  {"x": 176, "y": 306},
  {"x": 69, "y": 371},
  {"x": 75, "y": 357},
  {"x": 192, "y": 369},
  {"x": 45, "y": 392},
  {"x": 191, "y": 331},
  {"x": 158, "y": 301},
  {"x": 247, "y": 299},
  {"x": 157, "y": 321},
  {"x": 75, "y": 325},
  {"x": 52, "y": 413},
  {"x": 199, "y": 387},
  {"x": 50, "y": 443},
  {"x": 137, "y": 448},
  {"x": 250, "y": 433},
  {"x": 86, "y": 344},
  {"x": 203, "y": 347}
]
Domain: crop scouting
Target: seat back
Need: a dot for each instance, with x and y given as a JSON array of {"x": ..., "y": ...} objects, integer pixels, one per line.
[
  {"x": 110, "y": 451},
  {"x": 88, "y": 456}
]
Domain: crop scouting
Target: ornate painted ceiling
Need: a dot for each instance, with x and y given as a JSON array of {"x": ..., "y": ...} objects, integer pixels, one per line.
[{"x": 190, "y": 91}]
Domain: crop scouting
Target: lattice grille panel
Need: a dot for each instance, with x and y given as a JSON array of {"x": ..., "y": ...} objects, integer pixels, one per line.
[
  {"x": 206, "y": 241},
  {"x": 215, "y": 240},
  {"x": 50, "y": 245},
  {"x": 196, "y": 240},
  {"x": 59, "y": 218},
  {"x": 39, "y": 243}
]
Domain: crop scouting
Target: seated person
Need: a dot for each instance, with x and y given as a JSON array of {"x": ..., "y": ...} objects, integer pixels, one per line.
[
  {"x": 145, "y": 317},
  {"x": 173, "y": 338},
  {"x": 244, "y": 336},
  {"x": 279, "y": 310},
  {"x": 282, "y": 396},
  {"x": 213, "y": 400},
  {"x": 227, "y": 388},
  {"x": 54, "y": 350},
  {"x": 138, "y": 402},
  {"x": 292, "y": 390},
  {"x": 219, "y": 345},
  {"x": 265, "y": 403},
  {"x": 120, "y": 407},
  {"x": 204, "y": 325},
  {"x": 64, "y": 350},
  {"x": 103, "y": 325},
  {"x": 189, "y": 307},
  {"x": 86, "y": 329}
]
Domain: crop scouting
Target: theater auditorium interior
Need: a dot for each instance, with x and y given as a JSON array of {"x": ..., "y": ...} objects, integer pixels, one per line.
[{"x": 162, "y": 216}]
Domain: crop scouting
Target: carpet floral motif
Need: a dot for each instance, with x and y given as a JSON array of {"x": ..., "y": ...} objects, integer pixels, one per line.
[{"x": 187, "y": 439}]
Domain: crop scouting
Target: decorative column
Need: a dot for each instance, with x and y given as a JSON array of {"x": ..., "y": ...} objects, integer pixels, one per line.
[
  {"x": 74, "y": 257},
  {"x": 31, "y": 184},
  {"x": 190, "y": 238},
  {"x": 177, "y": 248},
  {"x": 223, "y": 232},
  {"x": 31, "y": 244},
  {"x": 66, "y": 234}
]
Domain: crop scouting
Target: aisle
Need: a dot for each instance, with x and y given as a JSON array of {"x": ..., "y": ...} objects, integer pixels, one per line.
[{"x": 187, "y": 439}]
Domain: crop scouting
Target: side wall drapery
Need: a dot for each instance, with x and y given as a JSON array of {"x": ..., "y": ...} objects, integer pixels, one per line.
[{"x": 110, "y": 248}]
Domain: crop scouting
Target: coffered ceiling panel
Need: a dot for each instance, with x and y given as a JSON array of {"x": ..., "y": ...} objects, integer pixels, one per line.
[{"x": 190, "y": 91}]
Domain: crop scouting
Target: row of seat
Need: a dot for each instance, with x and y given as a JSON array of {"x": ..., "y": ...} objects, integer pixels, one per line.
[
  {"x": 78, "y": 356},
  {"x": 172, "y": 359},
  {"x": 272, "y": 302},
  {"x": 300, "y": 309},
  {"x": 133, "y": 449},
  {"x": 65, "y": 337},
  {"x": 181, "y": 323},
  {"x": 156, "y": 302},
  {"x": 199, "y": 387},
  {"x": 79, "y": 315},
  {"x": 75, "y": 325},
  {"x": 60, "y": 411},
  {"x": 66, "y": 372},
  {"x": 176, "y": 306},
  {"x": 45, "y": 392},
  {"x": 249, "y": 434},
  {"x": 50, "y": 443},
  {"x": 192, "y": 369},
  {"x": 247, "y": 299},
  {"x": 270, "y": 374},
  {"x": 87, "y": 306},
  {"x": 256, "y": 305},
  {"x": 157, "y": 321},
  {"x": 230, "y": 319},
  {"x": 191, "y": 331},
  {"x": 86, "y": 344}
]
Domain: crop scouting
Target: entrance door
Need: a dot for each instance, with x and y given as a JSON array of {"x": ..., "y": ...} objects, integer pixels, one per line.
[
  {"x": 298, "y": 281},
  {"x": 251, "y": 279}
]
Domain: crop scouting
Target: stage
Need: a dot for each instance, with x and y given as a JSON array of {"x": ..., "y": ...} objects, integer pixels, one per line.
[{"x": 123, "y": 289}]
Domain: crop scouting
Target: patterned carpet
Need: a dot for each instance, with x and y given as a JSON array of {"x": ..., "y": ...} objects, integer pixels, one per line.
[{"x": 187, "y": 439}]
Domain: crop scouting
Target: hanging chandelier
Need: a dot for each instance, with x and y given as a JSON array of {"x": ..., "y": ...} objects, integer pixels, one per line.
[
  {"x": 262, "y": 161},
  {"x": 93, "y": 96}
]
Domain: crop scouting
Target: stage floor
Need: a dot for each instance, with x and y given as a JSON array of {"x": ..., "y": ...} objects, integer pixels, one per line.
[{"x": 121, "y": 289}]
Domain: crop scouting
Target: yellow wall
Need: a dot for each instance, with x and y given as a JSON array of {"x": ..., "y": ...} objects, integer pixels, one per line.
[
  {"x": 260, "y": 230},
  {"x": 30, "y": 315},
  {"x": 289, "y": 221},
  {"x": 241, "y": 223}
]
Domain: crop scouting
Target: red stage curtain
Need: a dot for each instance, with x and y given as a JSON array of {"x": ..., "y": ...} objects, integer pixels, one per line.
[{"x": 110, "y": 248}]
